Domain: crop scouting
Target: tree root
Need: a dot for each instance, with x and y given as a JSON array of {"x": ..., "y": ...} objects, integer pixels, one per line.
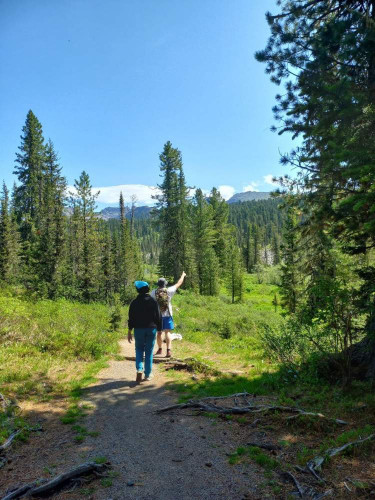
[
  {"x": 9, "y": 441},
  {"x": 206, "y": 405},
  {"x": 317, "y": 462},
  {"x": 306, "y": 492},
  {"x": 320, "y": 415},
  {"x": 35, "y": 489}
]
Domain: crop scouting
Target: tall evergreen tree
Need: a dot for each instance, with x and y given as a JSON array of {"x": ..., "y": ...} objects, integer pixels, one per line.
[
  {"x": 220, "y": 215},
  {"x": 51, "y": 232},
  {"x": 207, "y": 263},
  {"x": 30, "y": 168},
  {"x": 9, "y": 241},
  {"x": 234, "y": 269},
  {"x": 130, "y": 267},
  {"x": 172, "y": 214},
  {"x": 324, "y": 51},
  {"x": 290, "y": 257},
  {"x": 86, "y": 255}
]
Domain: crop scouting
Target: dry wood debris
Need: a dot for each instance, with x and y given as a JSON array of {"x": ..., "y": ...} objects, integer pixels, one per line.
[
  {"x": 36, "y": 489},
  {"x": 208, "y": 405}
]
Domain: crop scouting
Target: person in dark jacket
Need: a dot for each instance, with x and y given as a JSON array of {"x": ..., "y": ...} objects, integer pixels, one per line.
[{"x": 145, "y": 318}]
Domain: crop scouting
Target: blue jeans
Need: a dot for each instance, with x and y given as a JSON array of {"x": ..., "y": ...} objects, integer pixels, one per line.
[{"x": 144, "y": 345}]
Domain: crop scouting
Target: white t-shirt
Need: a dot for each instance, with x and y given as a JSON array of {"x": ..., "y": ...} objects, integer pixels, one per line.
[{"x": 171, "y": 290}]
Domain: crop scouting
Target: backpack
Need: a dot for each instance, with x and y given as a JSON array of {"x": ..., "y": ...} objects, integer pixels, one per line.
[{"x": 162, "y": 299}]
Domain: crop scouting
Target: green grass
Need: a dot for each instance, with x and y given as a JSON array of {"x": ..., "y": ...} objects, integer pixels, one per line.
[
  {"x": 224, "y": 334},
  {"x": 306, "y": 454},
  {"x": 50, "y": 348},
  {"x": 255, "y": 454}
]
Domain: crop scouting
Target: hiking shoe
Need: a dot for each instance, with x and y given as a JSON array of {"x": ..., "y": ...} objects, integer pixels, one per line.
[
  {"x": 159, "y": 352},
  {"x": 149, "y": 377},
  {"x": 139, "y": 377},
  {"x": 169, "y": 354}
]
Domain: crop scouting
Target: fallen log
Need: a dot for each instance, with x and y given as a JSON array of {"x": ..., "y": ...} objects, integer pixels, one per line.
[{"x": 46, "y": 489}]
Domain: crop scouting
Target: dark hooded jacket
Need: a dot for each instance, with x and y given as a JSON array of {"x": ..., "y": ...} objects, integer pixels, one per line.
[{"x": 144, "y": 312}]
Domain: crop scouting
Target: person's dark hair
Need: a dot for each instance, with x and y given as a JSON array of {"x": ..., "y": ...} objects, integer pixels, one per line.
[
  {"x": 162, "y": 283},
  {"x": 143, "y": 290}
]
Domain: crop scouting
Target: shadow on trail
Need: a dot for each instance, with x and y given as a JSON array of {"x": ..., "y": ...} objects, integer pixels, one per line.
[{"x": 108, "y": 386}]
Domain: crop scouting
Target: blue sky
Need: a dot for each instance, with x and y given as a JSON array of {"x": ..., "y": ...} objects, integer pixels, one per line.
[{"x": 112, "y": 80}]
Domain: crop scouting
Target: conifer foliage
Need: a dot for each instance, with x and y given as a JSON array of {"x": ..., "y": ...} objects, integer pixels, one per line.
[
  {"x": 195, "y": 234},
  {"x": 53, "y": 242},
  {"x": 324, "y": 53},
  {"x": 173, "y": 216}
]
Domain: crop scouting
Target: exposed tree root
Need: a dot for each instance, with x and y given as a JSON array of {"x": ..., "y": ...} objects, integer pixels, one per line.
[
  {"x": 306, "y": 492},
  {"x": 207, "y": 405},
  {"x": 36, "y": 489},
  {"x": 320, "y": 415},
  {"x": 317, "y": 462},
  {"x": 9, "y": 441}
]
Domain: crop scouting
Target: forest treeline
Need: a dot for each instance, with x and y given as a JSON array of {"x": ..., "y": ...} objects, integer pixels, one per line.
[
  {"x": 53, "y": 243},
  {"x": 55, "y": 252},
  {"x": 259, "y": 227}
]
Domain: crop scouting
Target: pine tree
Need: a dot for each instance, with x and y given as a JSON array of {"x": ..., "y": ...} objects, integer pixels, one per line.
[
  {"x": 275, "y": 250},
  {"x": 108, "y": 267},
  {"x": 289, "y": 266},
  {"x": 29, "y": 193},
  {"x": 324, "y": 51},
  {"x": 86, "y": 257},
  {"x": 234, "y": 269},
  {"x": 30, "y": 170},
  {"x": 9, "y": 241},
  {"x": 220, "y": 215},
  {"x": 51, "y": 231},
  {"x": 172, "y": 214},
  {"x": 204, "y": 239}
]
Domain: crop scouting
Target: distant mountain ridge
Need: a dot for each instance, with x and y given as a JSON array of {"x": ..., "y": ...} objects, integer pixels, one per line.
[
  {"x": 114, "y": 212},
  {"x": 249, "y": 196},
  {"x": 144, "y": 211}
]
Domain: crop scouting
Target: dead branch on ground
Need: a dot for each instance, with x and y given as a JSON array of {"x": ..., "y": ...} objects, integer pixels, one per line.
[
  {"x": 206, "y": 405},
  {"x": 36, "y": 489},
  {"x": 317, "y": 462},
  {"x": 306, "y": 492},
  {"x": 9, "y": 441}
]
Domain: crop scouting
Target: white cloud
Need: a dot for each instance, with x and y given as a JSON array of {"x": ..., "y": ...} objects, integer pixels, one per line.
[
  {"x": 251, "y": 187},
  {"x": 226, "y": 191},
  {"x": 268, "y": 179},
  {"x": 111, "y": 194}
]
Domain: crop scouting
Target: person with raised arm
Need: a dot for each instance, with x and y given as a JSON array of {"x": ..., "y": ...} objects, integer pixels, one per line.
[{"x": 163, "y": 295}]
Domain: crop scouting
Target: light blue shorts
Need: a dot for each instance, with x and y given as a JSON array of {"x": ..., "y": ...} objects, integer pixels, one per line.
[{"x": 167, "y": 323}]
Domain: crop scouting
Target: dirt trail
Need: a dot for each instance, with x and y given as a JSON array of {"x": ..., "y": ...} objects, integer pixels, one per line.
[{"x": 167, "y": 457}]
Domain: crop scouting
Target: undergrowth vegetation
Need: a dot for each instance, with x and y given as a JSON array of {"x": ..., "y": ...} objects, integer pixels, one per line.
[{"x": 47, "y": 346}]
